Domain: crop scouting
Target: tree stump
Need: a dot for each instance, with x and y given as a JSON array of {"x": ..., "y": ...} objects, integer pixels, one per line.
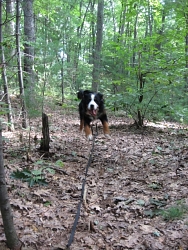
[{"x": 45, "y": 140}]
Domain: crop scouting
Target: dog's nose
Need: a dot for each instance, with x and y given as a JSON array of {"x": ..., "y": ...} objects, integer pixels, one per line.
[{"x": 91, "y": 106}]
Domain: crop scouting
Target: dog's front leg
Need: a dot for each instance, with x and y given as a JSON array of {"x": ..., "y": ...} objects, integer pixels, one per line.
[
  {"x": 106, "y": 129},
  {"x": 81, "y": 124},
  {"x": 88, "y": 132}
]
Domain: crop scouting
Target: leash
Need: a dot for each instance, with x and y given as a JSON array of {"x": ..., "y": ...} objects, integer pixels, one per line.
[{"x": 73, "y": 230}]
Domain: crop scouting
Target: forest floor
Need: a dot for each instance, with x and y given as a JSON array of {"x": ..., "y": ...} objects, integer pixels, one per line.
[{"x": 137, "y": 186}]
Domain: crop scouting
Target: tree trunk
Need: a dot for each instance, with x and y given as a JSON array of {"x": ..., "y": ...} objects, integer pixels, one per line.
[
  {"x": 62, "y": 84},
  {"x": 4, "y": 77},
  {"x": 19, "y": 64},
  {"x": 92, "y": 32},
  {"x": 10, "y": 28},
  {"x": 45, "y": 141},
  {"x": 98, "y": 47},
  {"x": 122, "y": 20},
  {"x": 77, "y": 46},
  {"x": 186, "y": 50},
  {"x": 135, "y": 39},
  {"x": 7, "y": 97},
  {"x": 140, "y": 88},
  {"x": 161, "y": 31},
  {"x": 149, "y": 21},
  {"x": 13, "y": 241},
  {"x": 29, "y": 32}
]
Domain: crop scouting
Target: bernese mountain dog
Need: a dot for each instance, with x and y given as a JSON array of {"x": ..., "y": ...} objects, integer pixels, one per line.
[{"x": 91, "y": 108}]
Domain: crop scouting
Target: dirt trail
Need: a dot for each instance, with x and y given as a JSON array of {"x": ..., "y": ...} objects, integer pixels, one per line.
[{"x": 135, "y": 178}]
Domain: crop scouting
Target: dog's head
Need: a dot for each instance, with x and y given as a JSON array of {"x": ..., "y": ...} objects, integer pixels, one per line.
[{"x": 92, "y": 101}]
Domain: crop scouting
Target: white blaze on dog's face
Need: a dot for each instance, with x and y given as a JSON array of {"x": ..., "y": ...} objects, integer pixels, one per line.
[{"x": 92, "y": 105}]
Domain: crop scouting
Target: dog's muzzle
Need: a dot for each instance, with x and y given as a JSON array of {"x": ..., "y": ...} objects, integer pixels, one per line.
[{"x": 92, "y": 112}]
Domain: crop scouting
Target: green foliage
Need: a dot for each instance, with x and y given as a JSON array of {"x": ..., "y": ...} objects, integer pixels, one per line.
[
  {"x": 47, "y": 203},
  {"x": 155, "y": 186},
  {"x": 33, "y": 177},
  {"x": 134, "y": 46},
  {"x": 4, "y": 109},
  {"x": 36, "y": 176},
  {"x": 152, "y": 212},
  {"x": 59, "y": 163},
  {"x": 174, "y": 212}
]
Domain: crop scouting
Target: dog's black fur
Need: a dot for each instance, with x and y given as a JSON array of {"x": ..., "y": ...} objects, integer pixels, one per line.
[{"x": 91, "y": 107}]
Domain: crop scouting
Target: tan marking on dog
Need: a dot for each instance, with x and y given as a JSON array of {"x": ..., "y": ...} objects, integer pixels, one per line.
[
  {"x": 106, "y": 129},
  {"x": 87, "y": 130},
  {"x": 81, "y": 125}
]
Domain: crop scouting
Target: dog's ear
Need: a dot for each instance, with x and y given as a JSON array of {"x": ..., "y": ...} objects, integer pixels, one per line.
[
  {"x": 86, "y": 92},
  {"x": 80, "y": 94},
  {"x": 100, "y": 96}
]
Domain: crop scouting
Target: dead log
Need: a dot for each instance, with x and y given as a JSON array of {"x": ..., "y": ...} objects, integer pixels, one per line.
[{"x": 45, "y": 140}]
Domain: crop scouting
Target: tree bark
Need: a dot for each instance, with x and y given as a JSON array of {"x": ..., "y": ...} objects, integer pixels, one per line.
[
  {"x": 4, "y": 77},
  {"x": 92, "y": 32},
  {"x": 62, "y": 84},
  {"x": 45, "y": 141},
  {"x": 13, "y": 241},
  {"x": 19, "y": 65},
  {"x": 98, "y": 47},
  {"x": 29, "y": 32},
  {"x": 135, "y": 38},
  {"x": 186, "y": 49},
  {"x": 10, "y": 27},
  {"x": 78, "y": 45},
  {"x": 122, "y": 20},
  {"x": 140, "y": 88}
]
